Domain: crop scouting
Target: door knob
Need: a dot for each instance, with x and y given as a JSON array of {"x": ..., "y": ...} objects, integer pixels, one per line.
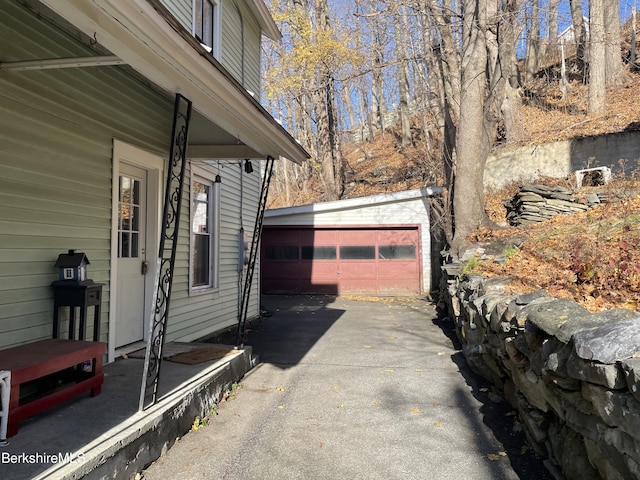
[{"x": 143, "y": 269}]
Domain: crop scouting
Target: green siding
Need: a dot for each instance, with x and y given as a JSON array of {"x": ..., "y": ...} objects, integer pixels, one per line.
[
  {"x": 56, "y": 138},
  {"x": 56, "y": 130},
  {"x": 182, "y": 10},
  {"x": 194, "y": 316},
  {"x": 232, "y": 56}
]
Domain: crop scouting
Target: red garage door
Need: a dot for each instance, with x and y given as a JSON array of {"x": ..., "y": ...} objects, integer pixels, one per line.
[{"x": 362, "y": 261}]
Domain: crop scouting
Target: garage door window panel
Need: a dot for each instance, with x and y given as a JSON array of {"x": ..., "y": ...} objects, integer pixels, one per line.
[
  {"x": 358, "y": 252},
  {"x": 396, "y": 252},
  {"x": 280, "y": 253},
  {"x": 318, "y": 253}
]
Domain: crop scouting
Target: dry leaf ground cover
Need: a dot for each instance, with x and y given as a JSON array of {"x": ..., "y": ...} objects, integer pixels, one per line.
[{"x": 591, "y": 257}]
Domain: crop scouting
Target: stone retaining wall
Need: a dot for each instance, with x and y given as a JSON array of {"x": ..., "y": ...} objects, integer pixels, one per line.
[
  {"x": 618, "y": 151},
  {"x": 573, "y": 376}
]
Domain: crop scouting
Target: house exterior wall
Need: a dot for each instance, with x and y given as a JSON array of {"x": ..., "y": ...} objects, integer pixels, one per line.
[
  {"x": 55, "y": 191},
  {"x": 404, "y": 208},
  {"x": 56, "y": 151},
  {"x": 193, "y": 316},
  {"x": 239, "y": 22},
  {"x": 182, "y": 10},
  {"x": 239, "y": 29}
]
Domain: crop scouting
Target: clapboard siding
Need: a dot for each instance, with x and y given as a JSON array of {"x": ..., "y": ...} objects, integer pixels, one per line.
[
  {"x": 237, "y": 21},
  {"x": 182, "y": 10},
  {"x": 56, "y": 156},
  {"x": 234, "y": 16},
  {"x": 197, "y": 315},
  {"x": 56, "y": 130},
  {"x": 253, "y": 44},
  {"x": 231, "y": 42}
]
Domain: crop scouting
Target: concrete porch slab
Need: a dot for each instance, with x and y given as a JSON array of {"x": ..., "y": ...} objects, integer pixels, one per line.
[{"x": 106, "y": 436}]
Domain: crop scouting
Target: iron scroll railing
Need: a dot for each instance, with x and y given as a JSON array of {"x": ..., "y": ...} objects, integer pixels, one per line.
[
  {"x": 167, "y": 252},
  {"x": 253, "y": 254}
]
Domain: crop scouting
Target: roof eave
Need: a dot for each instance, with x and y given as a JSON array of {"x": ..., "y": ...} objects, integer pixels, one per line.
[{"x": 145, "y": 35}]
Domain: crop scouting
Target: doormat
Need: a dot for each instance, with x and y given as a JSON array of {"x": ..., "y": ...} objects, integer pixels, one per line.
[
  {"x": 170, "y": 349},
  {"x": 201, "y": 355}
]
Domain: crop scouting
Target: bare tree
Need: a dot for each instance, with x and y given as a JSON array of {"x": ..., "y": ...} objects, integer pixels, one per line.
[
  {"x": 484, "y": 61},
  {"x": 327, "y": 139}
]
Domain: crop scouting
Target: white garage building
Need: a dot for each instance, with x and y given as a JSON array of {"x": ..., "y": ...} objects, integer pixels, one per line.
[{"x": 377, "y": 245}]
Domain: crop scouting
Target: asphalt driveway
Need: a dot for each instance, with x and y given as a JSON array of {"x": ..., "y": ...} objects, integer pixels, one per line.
[{"x": 354, "y": 389}]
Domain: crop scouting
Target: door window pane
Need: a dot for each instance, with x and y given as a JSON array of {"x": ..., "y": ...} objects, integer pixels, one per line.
[
  {"x": 129, "y": 220},
  {"x": 396, "y": 252},
  {"x": 364, "y": 252}
]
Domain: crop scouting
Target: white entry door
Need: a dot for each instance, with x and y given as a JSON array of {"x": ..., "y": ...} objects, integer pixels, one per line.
[{"x": 132, "y": 255}]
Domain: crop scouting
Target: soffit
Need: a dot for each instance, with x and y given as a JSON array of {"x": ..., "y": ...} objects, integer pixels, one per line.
[{"x": 135, "y": 32}]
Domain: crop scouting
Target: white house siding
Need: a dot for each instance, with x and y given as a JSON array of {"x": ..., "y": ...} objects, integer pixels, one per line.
[
  {"x": 195, "y": 316},
  {"x": 403, "y": 208}
]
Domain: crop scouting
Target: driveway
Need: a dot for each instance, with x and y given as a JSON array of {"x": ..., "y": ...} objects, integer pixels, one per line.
[{"x": 351, "y": 388}]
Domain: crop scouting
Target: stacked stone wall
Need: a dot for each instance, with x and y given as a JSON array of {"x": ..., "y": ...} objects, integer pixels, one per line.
[{"x": 573, "y": 376}]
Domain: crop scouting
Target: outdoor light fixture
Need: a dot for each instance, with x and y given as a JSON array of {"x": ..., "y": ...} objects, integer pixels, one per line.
[
  {"x": 218, "y": 179},
  {"x": 247, "y": 166}
]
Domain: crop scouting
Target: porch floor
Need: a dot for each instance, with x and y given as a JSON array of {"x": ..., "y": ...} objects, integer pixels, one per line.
[{"x": 106, "y": 435}]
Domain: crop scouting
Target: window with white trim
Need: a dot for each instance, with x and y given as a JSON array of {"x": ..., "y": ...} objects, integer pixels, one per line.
[
  {"x": 205, "y": 23},
  {"x": 205, "y": 231}
]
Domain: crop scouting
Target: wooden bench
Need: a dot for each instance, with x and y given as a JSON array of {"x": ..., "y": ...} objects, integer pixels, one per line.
[{"x": 39, "y": 359}]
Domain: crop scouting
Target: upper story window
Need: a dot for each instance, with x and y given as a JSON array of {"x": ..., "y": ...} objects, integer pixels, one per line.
[{"x": 205, "y": 19}]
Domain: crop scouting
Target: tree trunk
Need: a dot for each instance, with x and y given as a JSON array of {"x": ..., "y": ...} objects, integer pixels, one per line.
[
  {"x": 580, "y": 36},
  {"x": 402, "y": 76},
  {"x": 504, "y": 101},
  {"x": 324, "y": 108},
  {"x": 632, "y": 53},
  {"x": 533, "y": 42},
  {"x": 552, "y": 35},
  {"x": 378, "y": 102},
  {"x": 597, "y": 60},
  {"x": 468, "y": 200},
  {"x": 615, "y": 73}
]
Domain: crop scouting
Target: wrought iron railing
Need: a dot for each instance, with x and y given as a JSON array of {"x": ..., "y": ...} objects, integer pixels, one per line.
[{"x": 167, "y": 252}]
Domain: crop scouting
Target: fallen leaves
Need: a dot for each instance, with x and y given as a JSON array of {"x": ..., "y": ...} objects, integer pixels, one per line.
[
  {"x": 496, "y": 456},
  {"x": 591, "y": 257}
]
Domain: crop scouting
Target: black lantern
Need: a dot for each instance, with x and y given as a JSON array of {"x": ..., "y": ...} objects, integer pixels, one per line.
[{"x": 72, "y": 266}]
